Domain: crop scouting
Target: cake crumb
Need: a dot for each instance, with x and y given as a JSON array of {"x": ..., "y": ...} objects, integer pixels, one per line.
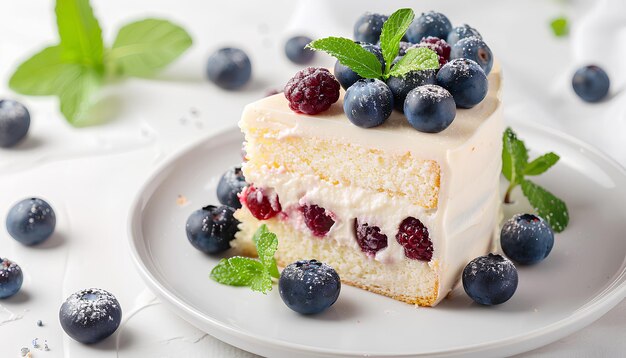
[
  {"x": 536, "y": 310},
  {"x": 181, "y": 200}
]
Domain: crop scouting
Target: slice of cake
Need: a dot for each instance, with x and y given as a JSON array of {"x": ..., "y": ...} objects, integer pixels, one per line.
[{"x": 395, "y": 211}]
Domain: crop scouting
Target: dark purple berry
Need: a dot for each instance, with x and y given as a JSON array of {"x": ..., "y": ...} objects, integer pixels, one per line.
[
  {"x": 263, "y": 204},
  {"x": 369, "y": 238},
  {"x": 91, "y": 315},
  {"x": 414, "y": 238},
  {"x": 312, "y": 90},
  {"x": 490, "y": 279},
  {"x": 317, "y": 219}
]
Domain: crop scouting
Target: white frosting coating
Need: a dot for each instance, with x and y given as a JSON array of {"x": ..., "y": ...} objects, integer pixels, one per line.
[{"x": 468, "y": 153}]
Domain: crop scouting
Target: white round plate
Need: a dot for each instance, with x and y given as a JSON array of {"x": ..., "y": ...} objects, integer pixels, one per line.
[{"x": 583, "y": 278}]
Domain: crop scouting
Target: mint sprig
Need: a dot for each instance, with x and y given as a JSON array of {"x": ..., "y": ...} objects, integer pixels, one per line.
[
  {"x": 77, "y": 67},
  {"x": 244, "y": 271},
  {"x": 367, "y": 65},
  {"x": 515, "y": 167}
]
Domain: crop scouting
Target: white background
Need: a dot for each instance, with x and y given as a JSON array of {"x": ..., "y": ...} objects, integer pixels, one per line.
[{"x": 90, "y": 175}]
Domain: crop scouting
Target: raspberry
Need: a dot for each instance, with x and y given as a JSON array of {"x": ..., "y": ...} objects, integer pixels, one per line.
[
  {"x": 369, "y": 238},
  {"x": 260, "y": 205},
  {"x": 413, "y": 236},
  {"x": 317, "y": 219},
  {"x": 440, "y": 46},
  {"x": 312, "y": 90}
]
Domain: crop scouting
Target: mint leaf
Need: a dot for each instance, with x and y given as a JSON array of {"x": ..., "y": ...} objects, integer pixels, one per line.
[
  {"x": 514, "y": 157},
  {"x": 350, "y": 54},
  {"x": 547, "y": 205},
  {"x": 78, "y": 92},
  {"x": 43, "y": 74},
  {"x": 266, "y": 247},
  {"x": 559, "y": 26},
  {"x": 262, "y": 283},
  {"x": 416, "y": 59},
  {"x": 145, "y": 46},
  {"x": 541, "y": 164},
  {"x": 237, "y": 271},
  {"x": 393, "y": 30},
  {"x": 266, "y": 244},
  {"x": 81, "y": 36}
]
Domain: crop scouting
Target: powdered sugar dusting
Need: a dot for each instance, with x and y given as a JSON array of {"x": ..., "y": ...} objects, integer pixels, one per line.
[{"x": 91, "y": 305}]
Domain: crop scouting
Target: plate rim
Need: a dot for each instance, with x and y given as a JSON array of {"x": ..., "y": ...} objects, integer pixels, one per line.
[{"x": 579, "y": 318}]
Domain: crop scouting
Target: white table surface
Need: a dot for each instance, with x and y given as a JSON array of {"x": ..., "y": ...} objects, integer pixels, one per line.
[{"x": 90, "y": 175}]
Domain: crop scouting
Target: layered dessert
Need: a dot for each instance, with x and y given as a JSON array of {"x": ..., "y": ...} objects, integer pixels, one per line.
[{"x": 395, "y": 211}]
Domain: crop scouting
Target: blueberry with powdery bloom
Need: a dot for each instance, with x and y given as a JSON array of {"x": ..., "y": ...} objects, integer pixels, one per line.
[
  {"x": 11, "y": 278},
  {"x": 490, "y": 280},
  {"x": 91, "y": 315},
  {"x": 591, "y": 83},
  {"x": 368, "y": 103},
  {"x": 461, "y": 32},
  {"x": 526, "y": 239},
  {"x": 14, "y": 123},
  {"x": 31, "y": 221},
  {"x": 230, "y": 185},
  {"x": 296, "y": 51},
  {"x": 430, "y": 23},
  {"x": 309, "y": 286},
  {"x": 369, "y": 27},
  {"x": 211, "y": 229},
  {"x": 401, "y": 86},
  {"x": 346, "y": 76},
  {"x": 229, "y": 68},
  {"x": 475, "y": 49},
  {"x": 429, "y": 108},
  {"x": 465, "y": 80}
]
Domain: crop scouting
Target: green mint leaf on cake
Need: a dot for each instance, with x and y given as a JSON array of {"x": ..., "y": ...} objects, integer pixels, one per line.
[
  {"x": 560, "y": 26},
  {"x": 143, "y": 47},
  {"x": 416, "y": 59},
  {"x": 548, "y": 206},
  {"x": 541, "y": 164},
  {"x": 515, "y": 166},
  {"x": 393, "y": 30},
  {"x": 350, "y": 54},
  {"x": 77, "y": 67},
  {"x": 245, "y": 271}
]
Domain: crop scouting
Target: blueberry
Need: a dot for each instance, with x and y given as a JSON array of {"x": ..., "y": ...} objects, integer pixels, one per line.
[
  {"x": 465, "y": 80},
  {"x": 404, "y": 46},
  {"x": 31, "y": 221},
  {"x": 231, "y": 183},
  {"x": 461, "y": 32},
  {"x": 211, "y": 229},
  {"x": 490, "y": 279},
  {"x": 401, "y": 86},
  {"x": 309, "y": 286},
  {"x": 368, "y": 27},
  {"x": 11, "y": 278},
  {"x": 91, "y": 315},
  {"x": 368, "y": 103},
  {"x": 429, "y": 108},
  {"x": 430, "y": 23},
  {"x": 346, "y": 76},
  {"x": 14, "y": 122},
  {"x": 526, "y": 239},
  {"x": 296, "y": 51},
  {"x": 590, "y": 83},
  {"x": 475, "y": 49},
  {"x": 229, "y": 68}
]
